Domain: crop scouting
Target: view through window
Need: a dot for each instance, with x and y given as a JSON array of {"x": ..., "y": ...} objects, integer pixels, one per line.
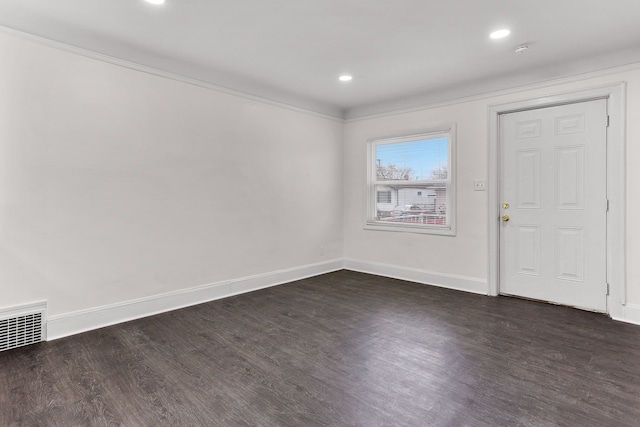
[{"x": 410, "y": 181}]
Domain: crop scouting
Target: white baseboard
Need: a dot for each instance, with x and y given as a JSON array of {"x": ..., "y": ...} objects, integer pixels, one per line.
[
  {"x": 63, "y": 325},
  {"x": 629, "y": 313},
  {"x": 85, "y": 320},
  {"x": 450, "y": 281}
]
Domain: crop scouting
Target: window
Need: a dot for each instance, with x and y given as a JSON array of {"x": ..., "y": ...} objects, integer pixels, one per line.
[
  {"x": 384, "y": 196},
  {"x": 410, "y": 182}
]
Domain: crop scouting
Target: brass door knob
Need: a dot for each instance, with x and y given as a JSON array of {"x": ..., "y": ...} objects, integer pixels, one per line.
[
  {"x": 505, "y": 205},
  {"x": 505, "y": 218}
]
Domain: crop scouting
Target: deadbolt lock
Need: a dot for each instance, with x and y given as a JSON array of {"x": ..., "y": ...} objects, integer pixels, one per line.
[
  {"x": 505, "y": 205},
  {"x": 505, "y": 218}
]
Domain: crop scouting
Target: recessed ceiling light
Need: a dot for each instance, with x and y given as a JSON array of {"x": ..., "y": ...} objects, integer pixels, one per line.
[
  {"x": 155, "y": 1},
  {"x": 500, "y": 34},
  {"x": 345, "y": 78}
]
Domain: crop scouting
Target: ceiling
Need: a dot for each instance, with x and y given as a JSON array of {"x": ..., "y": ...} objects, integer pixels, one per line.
[{"x": 401, "y": 53}]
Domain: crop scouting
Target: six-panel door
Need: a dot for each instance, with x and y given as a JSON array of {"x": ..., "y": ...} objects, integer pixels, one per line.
[{"x": 553, "y": 177}]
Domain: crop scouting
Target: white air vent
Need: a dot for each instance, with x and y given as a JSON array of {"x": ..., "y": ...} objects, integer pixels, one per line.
[{"x": 22, "y": 325}]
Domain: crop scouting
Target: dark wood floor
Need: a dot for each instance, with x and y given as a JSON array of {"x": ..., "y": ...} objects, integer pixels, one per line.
[{"x": 342, "y": 349}]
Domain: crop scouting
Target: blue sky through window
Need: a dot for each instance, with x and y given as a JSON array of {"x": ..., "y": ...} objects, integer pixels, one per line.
[{"x": 422, "y": 156}]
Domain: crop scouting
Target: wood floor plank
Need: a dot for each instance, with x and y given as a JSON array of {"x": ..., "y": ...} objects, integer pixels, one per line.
[{"x": 342, "y": 349}]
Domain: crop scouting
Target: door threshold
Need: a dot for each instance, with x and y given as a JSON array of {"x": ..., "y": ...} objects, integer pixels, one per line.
[{"x": 591, "y": 310}]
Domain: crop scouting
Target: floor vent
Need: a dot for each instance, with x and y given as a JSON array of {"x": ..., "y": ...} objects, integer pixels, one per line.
[{"x": 20, "y": 326}]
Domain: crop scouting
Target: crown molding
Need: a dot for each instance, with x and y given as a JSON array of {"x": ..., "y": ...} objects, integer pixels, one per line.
[
  {"x": 350, "y": 116},
  {"x": 335, "y": 115}
]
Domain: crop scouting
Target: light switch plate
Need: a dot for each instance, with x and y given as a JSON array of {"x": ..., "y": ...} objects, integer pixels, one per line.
[{"x": 479, "y": 185}]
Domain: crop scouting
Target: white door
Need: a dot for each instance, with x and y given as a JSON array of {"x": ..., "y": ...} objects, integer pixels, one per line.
[{"x": 553, "y": 193}]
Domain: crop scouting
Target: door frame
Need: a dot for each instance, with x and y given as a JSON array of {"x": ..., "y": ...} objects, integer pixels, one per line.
[{"x": 616, "y": 189}]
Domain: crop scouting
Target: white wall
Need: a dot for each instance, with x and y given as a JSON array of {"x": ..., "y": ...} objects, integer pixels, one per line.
[
  {"x": 463, "y": 258},
  {"x": 117, "y": 185}
]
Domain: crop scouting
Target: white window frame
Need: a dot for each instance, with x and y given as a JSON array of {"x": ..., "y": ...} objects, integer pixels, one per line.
[{"x": 370, "y": 222}]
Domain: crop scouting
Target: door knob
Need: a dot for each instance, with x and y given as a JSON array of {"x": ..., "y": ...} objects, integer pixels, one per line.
[
  {"x": 505, "y": 218},
  {"x": 505, "y": 205}
]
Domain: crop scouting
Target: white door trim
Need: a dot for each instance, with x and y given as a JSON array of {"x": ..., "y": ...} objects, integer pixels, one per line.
[{"x": 616, "y": 188}]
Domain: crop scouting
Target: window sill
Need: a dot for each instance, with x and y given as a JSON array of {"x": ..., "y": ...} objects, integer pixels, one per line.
[{"x": 407, "y": 228}]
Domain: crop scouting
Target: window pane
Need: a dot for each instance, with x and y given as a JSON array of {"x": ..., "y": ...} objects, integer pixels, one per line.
[
  {"x": 426, "y": 159},
  {"x": 425, "y": 205}
]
